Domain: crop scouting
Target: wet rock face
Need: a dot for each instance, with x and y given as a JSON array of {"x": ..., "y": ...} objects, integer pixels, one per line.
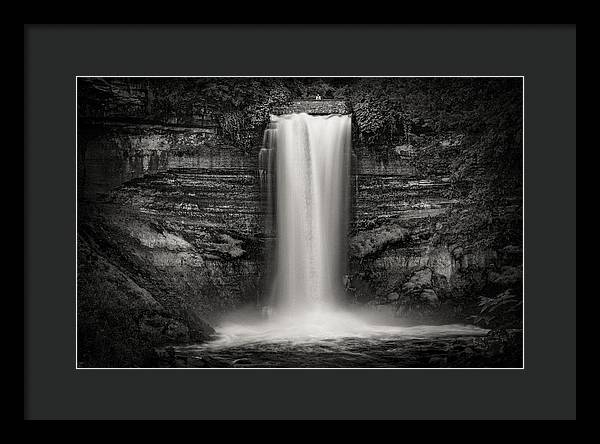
[
  {"x": 402, "y": 201},
  {"x": 110, "y": 154},
  {"x": 396, "y": 211},
  {"x": 188, "y": 236},
  {"x": 121, "y": 318},
  {"x": 201, "y": 228}
]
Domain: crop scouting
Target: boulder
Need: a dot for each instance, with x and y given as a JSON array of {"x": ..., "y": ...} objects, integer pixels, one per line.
[
  {"x": 419, "y": 279},
  {"x": 429, "y": 296},
  {"x": 409, "y": 286},
  {"x": 374, "y": 241},
  {"x": 422, "y": 277}
]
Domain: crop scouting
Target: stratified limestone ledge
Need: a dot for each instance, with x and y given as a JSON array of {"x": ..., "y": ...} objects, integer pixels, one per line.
[{"x": 318, "y": 107}]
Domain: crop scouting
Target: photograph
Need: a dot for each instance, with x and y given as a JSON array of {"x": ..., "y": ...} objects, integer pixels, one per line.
[{"x": 299, "y": 222}]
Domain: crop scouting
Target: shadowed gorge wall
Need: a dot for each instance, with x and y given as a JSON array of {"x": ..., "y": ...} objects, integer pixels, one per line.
[
  {"x": 396, "y": 263},
  {"x": 171, "y": 219}
]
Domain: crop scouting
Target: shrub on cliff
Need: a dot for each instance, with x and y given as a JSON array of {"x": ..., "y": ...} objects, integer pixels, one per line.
[
  {"x": 501, "y": 311},
  {"x": 245, "y": 106}
]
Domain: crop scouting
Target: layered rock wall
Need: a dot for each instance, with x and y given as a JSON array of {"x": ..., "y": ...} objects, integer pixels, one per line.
[
  {"x": 110, "y": 154},
  {"x": 317, "y": 107},
  {"x": 394, "y": 263}
]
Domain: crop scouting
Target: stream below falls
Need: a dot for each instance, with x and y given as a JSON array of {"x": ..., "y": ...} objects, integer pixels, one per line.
[{"x": 375, "y": 346}]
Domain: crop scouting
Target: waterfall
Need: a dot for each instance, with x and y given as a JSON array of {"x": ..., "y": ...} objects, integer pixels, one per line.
[
  {"x": 311, "y": 205},
  {"x": 266, "y": 171},
  {"x": 304, "y": 170}
]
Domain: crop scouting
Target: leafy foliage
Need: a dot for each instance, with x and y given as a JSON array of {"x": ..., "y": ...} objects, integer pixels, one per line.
[
  {"x": 245, "y": 105},
  {"x": 488, "y": 170},
  {"x": 502, "y": 311}
]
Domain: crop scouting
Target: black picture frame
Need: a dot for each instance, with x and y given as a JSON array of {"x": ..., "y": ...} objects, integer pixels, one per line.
[{"x": 55, "y": 55}]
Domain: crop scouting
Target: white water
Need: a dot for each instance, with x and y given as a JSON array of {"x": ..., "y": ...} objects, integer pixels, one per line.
[
  {"x": 317, "y": 326},
  {"x": 311, "y": 156},
  {"x": 313, "y": 160}
]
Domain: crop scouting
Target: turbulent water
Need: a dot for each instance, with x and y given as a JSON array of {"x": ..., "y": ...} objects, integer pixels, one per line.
[
  {"x": 305, "y": 167},
  {"x": 340, "y": 342}
]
